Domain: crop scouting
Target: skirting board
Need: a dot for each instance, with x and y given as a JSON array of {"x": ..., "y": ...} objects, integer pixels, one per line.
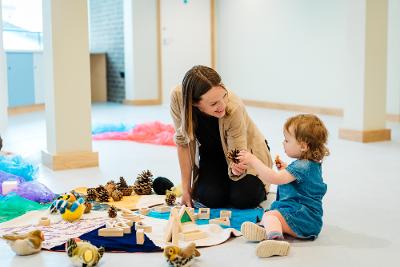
[
  {"x": 142, "y": 102},
  {"x": 365, "y": 136},
  {"x": 25, "y": 109},
  {"x": 71, "y": 160}
]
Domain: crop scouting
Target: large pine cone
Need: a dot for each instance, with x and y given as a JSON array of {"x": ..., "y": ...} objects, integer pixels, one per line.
[
  {"x": 233, "y": 155},
  {"x": 144, "y": 183}
]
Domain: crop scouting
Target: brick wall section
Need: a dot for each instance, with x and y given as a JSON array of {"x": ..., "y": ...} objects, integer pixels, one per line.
[{"x": 106, "y": 35}]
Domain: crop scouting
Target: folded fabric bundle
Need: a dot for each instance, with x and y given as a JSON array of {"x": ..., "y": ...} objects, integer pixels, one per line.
[
  {"x": 18, "y": 166},
  {"x": 156, "y": 133}
]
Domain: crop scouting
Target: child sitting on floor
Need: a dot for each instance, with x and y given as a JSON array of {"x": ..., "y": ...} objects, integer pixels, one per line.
[{"x": 297, "y": 210}]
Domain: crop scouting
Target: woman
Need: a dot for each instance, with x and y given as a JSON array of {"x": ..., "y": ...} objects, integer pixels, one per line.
[{"x": 210, "y": 121}]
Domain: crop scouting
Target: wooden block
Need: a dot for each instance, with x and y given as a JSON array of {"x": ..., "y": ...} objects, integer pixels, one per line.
[
  {"x": 44, "y": 221},
  {"x": 225, "y": 214},
  {"x": 204, "y": 213},
  {"x": 162, "y": 209},
  {"x": 141, "y": 225},
  {"x": 139, "y": 236},
  {"x": 221, "y": 221},
  {"x": 191, "y": 236},
  {"x": 132, "y": 217},
  {"x": 111, "y": 232}
]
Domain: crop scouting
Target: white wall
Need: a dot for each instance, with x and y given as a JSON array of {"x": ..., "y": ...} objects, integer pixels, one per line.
[
  {"x": 140, "y": 39},
  {"x": 393, "y": 67},
  {"x": 3, "y": 82},
  {"x": 186, "y": 40},
  {"x": 38, "y": 76},
  {"x": 293, "y": 52}
]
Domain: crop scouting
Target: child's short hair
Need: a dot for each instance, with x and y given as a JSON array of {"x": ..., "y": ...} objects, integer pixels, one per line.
[{"x": 311, "y": 130}]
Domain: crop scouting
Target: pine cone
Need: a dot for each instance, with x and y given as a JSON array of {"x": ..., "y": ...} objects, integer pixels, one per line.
[
  {"x": 88, "y": 207},
  {"x": 112, "y": 212},
  {"x": 91, "y": 194},
  {"x": 122, "y": 183},
  {"x": 233, "y": 154},
  {"x": 117, "y": 195},
  {"x": 126, "y": 191},
  {"x": 110, "y": 187},
  {"x": 103, "y": 196},
  {"x": 143, "y": 184},
  {"x": 170, "y": 198}
]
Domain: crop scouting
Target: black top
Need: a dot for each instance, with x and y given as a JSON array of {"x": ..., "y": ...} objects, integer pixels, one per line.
[{"x": 210, "y": 148}]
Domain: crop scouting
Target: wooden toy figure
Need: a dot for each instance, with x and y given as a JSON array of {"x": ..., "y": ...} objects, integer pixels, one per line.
[
  {"x": 25, "y": 244},
  {"x": 178, "y": 257},
  {"x": 83, "y": 253}
]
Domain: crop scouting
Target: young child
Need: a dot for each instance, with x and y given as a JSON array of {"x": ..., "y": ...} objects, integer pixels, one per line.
[{"x": 297, "y": 210}]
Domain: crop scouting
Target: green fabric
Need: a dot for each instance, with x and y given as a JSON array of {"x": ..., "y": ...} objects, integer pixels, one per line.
[
  {"x": 185, "y": 218},
  {"x": 12, "y": 206}
]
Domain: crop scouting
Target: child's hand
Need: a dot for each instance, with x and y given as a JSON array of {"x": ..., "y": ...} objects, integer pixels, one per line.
[
  {"x": 280, "y": 165},
  {"x": 246, "y": 158}
]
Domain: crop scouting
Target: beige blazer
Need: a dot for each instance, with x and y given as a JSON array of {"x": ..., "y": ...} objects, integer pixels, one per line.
[{"x": 236, "y": 129}]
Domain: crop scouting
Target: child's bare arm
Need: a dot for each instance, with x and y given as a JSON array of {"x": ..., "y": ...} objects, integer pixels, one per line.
[{"x": 266, "y": 174}]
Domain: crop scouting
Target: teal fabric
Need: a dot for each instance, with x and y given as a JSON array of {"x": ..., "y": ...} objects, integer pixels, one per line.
[{"x": 238, "y": 216}]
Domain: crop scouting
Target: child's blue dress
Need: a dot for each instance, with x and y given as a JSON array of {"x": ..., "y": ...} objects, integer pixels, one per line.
[{"x": 300, "y": 202}]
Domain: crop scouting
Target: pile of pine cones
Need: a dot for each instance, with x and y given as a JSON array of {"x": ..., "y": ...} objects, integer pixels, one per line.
[
  {"x": 143, "y": 186},
  {"x": 114, "y": 190}
]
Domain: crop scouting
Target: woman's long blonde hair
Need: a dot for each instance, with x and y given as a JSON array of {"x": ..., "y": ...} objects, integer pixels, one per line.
[
  {"x": 197, "y": 81},
  {"x": 311, "y": 130}
]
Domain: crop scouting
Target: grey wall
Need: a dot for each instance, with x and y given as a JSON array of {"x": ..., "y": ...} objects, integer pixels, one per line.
[{"x": 106, "y": 33}]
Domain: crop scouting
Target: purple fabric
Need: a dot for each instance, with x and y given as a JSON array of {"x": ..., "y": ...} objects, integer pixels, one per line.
[{"x": 35, "y": 191}]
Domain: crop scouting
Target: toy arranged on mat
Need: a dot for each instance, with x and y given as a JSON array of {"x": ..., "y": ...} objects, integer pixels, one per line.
[
  {"x": 88, "y": 207},
  {"x": 161, "y": 185},
  {"x": 181, "y": 226},
  {"x": 170, "y": 198},
  {"x": 144, "y": 183},
  {"x": 82, "y": 253},
  {"x": 178, "y": 257},
  {"x": 221, "y": 221},
  {"x": 225, "y": 214},
  {"x": 144, "y": 211},
  {"x": 233, "y": 154},
  {"x": 25, "y": 244},
  {"x": 71, "y": 209}
]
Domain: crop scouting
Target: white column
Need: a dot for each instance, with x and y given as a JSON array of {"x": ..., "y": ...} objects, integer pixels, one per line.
[
  {"x": 3, "y": 81},
  {"x": 67, "y": 85},
  {"x": 142, "y": 52},
  {"x": 365, "y": 110}
]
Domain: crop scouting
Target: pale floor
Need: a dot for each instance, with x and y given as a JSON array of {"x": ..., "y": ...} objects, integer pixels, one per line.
[{"x": 362, "y": 213}]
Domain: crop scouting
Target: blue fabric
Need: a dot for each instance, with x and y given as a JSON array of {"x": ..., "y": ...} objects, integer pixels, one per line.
[
  {"x": 126, "y": 243},
  {"x": 238, "y": 216},
  {"x": 104, "y": 128},
  {"x": 300, "y": 202},
  {"x": 16, "y": 165}
]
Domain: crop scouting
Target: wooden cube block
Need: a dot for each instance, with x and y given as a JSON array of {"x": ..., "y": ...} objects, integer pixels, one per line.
[
  {"x": 204, "y": 213},
  {"x": 225, "y": 214},
  {"x": 144, "y": 211},
  {"x": 221, "y": 221},
  {"x": 162, "y": 209}
]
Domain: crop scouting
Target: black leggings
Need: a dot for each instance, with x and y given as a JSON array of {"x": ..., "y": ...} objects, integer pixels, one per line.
[{"x": 217, "y": 190}]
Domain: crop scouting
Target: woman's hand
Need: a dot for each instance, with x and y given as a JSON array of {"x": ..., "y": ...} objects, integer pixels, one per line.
[
  {"x": 238, "y": 169},
  {"x": 186, "y": 199}
]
